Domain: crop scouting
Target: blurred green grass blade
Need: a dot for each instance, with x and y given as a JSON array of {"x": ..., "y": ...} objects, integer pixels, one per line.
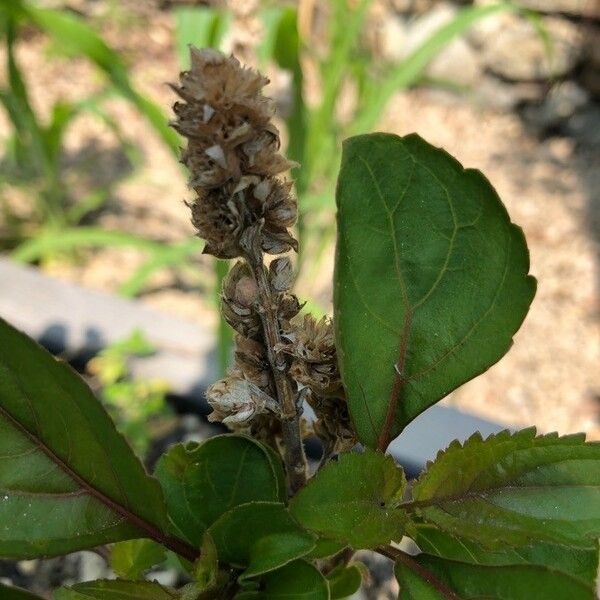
[
  {"x": 545, "y": 36},
  {"x": 90, "y": 202},
  {"x": 15, "y": 80},
  {"x": 167, "y": 256},
  {"x": 93, "y": 105},
  {"x": 77, "y": 38},
  {"x": 270, "y": 18},
  {"x": 63, "y": 114},
  {"x": 81, "y": 237},
  {"x": 286, "y": 52},
  {"x": 18, "y": 107},
  {"x": 411, "y": 69},
  {"x": 204, "y": 27},
  {"x": 345, "y": 37}
]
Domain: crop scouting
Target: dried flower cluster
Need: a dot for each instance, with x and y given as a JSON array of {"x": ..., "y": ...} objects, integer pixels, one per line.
[
  {"x": 233, "y": 156},
  {"x": 243, "y": 209},
  {"x": 314, "y": 365}
]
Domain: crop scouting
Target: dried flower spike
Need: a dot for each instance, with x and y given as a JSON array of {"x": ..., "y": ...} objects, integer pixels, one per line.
[{"x": 233, "y": 156}]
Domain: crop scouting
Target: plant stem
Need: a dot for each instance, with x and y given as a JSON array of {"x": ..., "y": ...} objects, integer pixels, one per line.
[
  {"x": 294, "y": 458},
  {"x": 398, "y": 556},
  {"x": 224, "y": 332}
]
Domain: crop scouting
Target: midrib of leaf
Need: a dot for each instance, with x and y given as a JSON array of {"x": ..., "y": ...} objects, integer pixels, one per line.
[
  {"x": 93, "y": 589},
  {"x": 399, "y": 556},
  {"x": 390, "y": 417},
  {"x": 399, "y": 377},
  {"x": 482, "y": 495},
  {"x": 486, "y": 495},
  {"x": 542, "y": 569},
  {"x": 152, "y": 530}
]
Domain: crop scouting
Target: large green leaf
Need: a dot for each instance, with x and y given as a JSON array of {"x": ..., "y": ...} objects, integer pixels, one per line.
[
  {"x": 261, "y": 536},
  {"x": 577, "y": 563},
  {"x": 431, "y": 279},
  {"x": 203, "y": 481},
  {"x": 355, "y": 500},
  {"x": 68, "y": 480},
  {"x": 13, "y": 593},
  {"x": 116, "y": 590},
  {"x": 297, "y": 581},
  {"x": 468, "y": 581},
  {"x": 514, "y": 489}
]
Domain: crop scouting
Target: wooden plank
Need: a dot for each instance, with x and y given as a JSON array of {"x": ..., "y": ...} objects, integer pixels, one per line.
[{"x": 74, "y": 320}]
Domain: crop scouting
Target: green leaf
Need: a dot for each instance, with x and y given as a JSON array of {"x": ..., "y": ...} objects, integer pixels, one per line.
[
  {"x": 354, "y": 500},
  {"x": 325, "y": 547},
  {"x": 68, "y": 480},
  {"x": 514, "y": 489},
  {"x": 431, "y": 279},
  {"x": 132, "y": 558},
  {"x": 468, "y": 581},
  {"x": 578, "y": 563},
  {"x": 287, "y": 53},
  {"x": 261, "y": 536},
  {"x": 116, "y": 590},
  {"x": 415, "y": 587},
  {"x": 297, "y": 581},
  {"x": 203, "y": 481},
  {"x": 13, "y": 593},
  {"x": 345, "y": 581},
  {"x": 278, "y": 469}
]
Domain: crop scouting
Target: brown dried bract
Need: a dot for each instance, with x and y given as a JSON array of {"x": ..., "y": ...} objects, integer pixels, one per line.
[
  {"x": 315, "y": 359},
  {"x": 236, "y": 401},
  {"x": 238, "y": 300}
]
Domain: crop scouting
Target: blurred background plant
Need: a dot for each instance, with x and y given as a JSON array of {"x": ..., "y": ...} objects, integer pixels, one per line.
[
  {"x": 62, "y": 204},
  {"x": 138, "y": 406}
]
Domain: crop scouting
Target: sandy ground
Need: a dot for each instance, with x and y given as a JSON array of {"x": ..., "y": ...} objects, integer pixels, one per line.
[{"x": 550, "y": 378}]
